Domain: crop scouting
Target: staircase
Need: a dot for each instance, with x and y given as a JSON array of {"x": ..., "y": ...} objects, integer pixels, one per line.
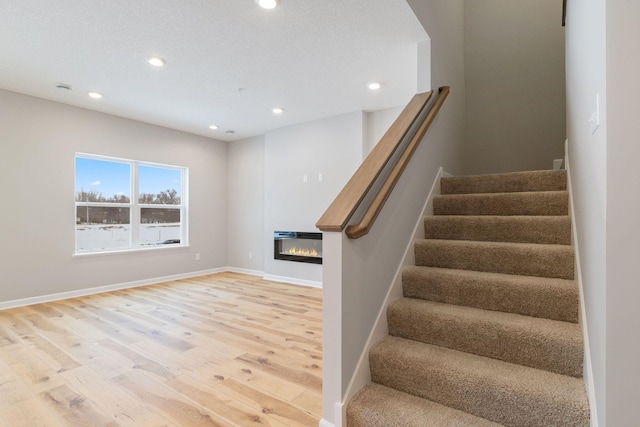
[{"x": 487, "y": 332}]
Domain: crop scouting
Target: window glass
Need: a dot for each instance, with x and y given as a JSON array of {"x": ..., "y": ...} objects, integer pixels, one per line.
[
  {"x": 127, "y": 204},
  {"x": 159, "y": 226},
  {"x": 102, "y": 181},
  {"x": 100, "y": 228},
  {"x": 159, "y": 185}
]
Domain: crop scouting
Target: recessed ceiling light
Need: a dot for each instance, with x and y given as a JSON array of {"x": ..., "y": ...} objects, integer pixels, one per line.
[
  {"x": 95, "y": 95},
  {"x": 213, "y": 127},
  {"x": 156, "y": 61},
  {"x": 268, "y": 4},
  {"x": 278, "y": 110},
  {"x": 374, "y": 86},
  {"x": 230, "y": 131}
]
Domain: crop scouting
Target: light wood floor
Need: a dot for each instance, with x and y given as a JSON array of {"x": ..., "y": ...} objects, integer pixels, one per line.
[{"x": 220, "y": 350}]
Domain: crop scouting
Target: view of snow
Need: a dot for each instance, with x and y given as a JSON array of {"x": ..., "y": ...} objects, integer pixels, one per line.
[{"x": 98, "y": 237}]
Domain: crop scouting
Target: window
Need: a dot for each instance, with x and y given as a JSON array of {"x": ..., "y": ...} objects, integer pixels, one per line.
[{"x": 126, "y": 204}]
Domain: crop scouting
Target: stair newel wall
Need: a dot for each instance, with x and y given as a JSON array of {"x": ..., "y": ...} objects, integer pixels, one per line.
[
  {"x": 362, "y": 374},
  {"x": 358, "y": 276}
]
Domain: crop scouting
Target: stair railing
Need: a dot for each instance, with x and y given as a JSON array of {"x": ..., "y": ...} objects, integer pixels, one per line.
[{"x": 369, "y": 188}]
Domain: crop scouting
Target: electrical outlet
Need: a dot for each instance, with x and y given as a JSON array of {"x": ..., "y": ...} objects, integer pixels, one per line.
[
  {"x": 197, "y": 257},
  {"x": 557, "y": 164},
  {"x": 250, "y": 255},
  {"x": 304, "y": 178},
  {"x": 320, "y": 176}
]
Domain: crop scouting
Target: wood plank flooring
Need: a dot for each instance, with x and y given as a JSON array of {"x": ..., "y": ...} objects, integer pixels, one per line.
[{"x": 220, "y": 350}]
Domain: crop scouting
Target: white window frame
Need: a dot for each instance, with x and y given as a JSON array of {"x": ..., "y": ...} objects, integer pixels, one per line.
[{"x": 135, "y": 208}]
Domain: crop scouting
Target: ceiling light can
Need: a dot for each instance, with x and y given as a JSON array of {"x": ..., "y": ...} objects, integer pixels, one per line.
[
  {"x": 95, "y": 95},
  {"x": 278, "y": 110},
  {"x": 268, "y": 4},
  {"x": 156, "y": 61},
  {"x": 213, "y": 127},
  {"x": 374, "y": 85}
]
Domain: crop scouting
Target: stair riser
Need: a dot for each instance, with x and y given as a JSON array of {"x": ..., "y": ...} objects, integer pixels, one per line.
[
  {"x": 496, "y": 396},
  {"x": 539, "y": 297},
  {"x": 556, "y": 348},
  {"x": 515, "y": 229},
  {"x": 528, "y": 260},
  {"x": 505, "y": 183},
  {"x": 546, "y": 203}
]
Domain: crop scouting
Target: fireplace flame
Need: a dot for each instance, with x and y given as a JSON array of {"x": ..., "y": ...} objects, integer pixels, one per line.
[{"x": 301, "y": 252}]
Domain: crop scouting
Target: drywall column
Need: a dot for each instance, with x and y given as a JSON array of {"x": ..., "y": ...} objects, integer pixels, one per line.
[
  {"x": 623, "y": 211},
  {"x": 332, "y": 329},
  {"x": 586, "y": 78}
]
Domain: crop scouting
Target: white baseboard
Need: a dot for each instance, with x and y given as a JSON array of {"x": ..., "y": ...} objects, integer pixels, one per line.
[
  {"x": 588, "y": 369},
  {"x": 245, "y": 271},
  {"x": 292, "y": 280},
  {"x": 325, "y": 423},
  {"x": 362, "y": 374},
  {"x": 4, "y": 305},
  {"x": 101, "y": 289}
]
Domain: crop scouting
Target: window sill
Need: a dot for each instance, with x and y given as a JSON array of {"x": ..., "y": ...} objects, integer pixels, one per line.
[{"x": 131, "y": 251}]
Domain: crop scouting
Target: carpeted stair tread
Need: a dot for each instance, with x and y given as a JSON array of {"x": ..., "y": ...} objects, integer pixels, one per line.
[
  {"x": 505, "y": 182},
  {"x": 538, "y": 343},
  {"x": 379, "y": 406},
  {"x": 505, "y": 393},
  {"x": 550, "y": 298},
  {"x": 488, "y": 326},
  {"x": 516, "y": 229},
  {"x": 497, "y": 257},
  {"x": 547, "y": 203}
]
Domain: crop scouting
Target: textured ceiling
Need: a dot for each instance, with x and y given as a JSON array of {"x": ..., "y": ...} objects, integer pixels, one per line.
[{"x": 229, "y": 62}]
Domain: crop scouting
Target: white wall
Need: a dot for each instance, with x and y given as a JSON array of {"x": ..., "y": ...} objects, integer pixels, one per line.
[
  {"x": 623, "y": 211},
  {"x": 514, "y": 67},
  {"x": 246, "y": 204},
  {"x": 331, "y": 146},
  {"x": 38, "y": 140},
  {"x": 376, "y": 124},
  {"x": 586, "y": 77}
]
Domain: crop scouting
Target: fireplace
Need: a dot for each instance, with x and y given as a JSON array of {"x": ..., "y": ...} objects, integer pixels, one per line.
[{"x": 297, "y": 246}]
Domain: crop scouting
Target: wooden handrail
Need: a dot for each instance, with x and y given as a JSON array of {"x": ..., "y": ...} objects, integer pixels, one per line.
[
  {"x": 358, "y": 230},
  {"x": 345, "y": 204}
]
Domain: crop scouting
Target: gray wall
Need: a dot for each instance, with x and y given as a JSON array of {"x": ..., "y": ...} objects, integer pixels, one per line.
[
  {"x": 265, "y": 181},
  {"x": 246, "y": 204},
  {"x": 514, "y": 68},
  {"x": 38, "y": 140},
  {"x": 331, "y": 146}
]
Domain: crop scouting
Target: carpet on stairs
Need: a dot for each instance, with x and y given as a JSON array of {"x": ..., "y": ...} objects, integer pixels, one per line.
[{"x": 487, "y": 331}]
